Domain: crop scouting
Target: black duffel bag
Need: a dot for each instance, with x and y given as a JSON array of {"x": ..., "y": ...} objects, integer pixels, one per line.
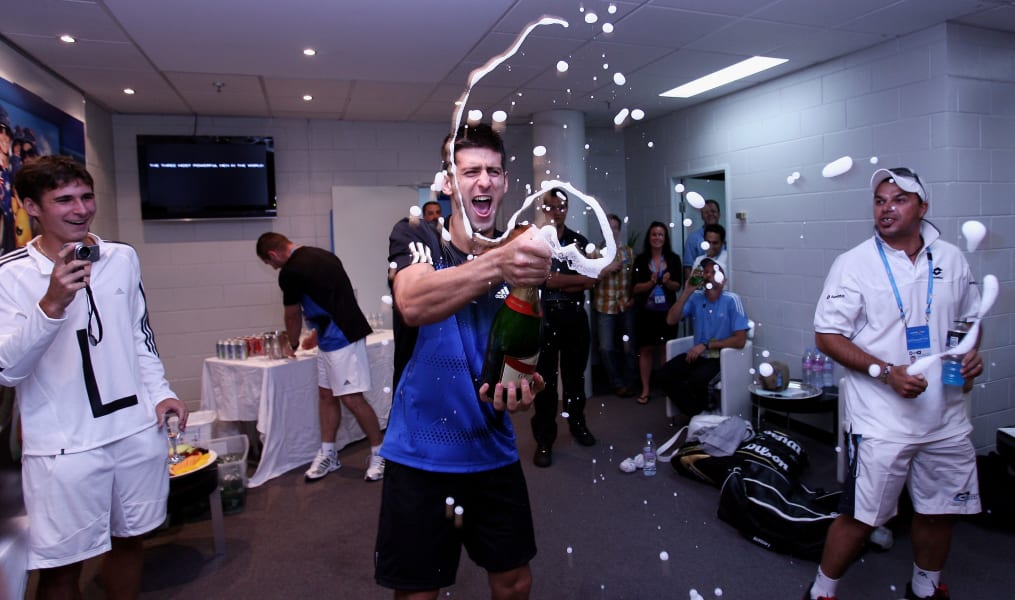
[{"x": 775, "y": 512}]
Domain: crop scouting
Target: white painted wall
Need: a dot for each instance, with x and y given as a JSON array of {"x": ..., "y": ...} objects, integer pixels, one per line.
[{"x": 941, "y": 101}]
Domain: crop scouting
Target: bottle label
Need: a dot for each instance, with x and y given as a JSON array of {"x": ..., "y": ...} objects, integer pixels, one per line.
[
  {"x": 520, "y": 306},
  {"x": 517, "y": 369}
]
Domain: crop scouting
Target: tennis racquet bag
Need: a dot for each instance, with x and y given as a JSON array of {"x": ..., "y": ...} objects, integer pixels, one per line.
[{"x": 775, "y": 512}]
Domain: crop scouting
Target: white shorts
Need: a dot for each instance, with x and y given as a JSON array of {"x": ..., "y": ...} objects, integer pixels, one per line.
[
  {"x": 940, "y": 477},
  {"x": 77, "y": 501},
  {"x": 344, "y": 371}
]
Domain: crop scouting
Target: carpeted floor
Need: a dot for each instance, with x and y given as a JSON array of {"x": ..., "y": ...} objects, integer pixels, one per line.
[{"x": 600, "y": 533}]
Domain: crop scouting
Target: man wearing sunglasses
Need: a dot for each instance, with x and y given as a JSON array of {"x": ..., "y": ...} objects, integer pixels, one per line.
[{"x": 886, "y": 303}]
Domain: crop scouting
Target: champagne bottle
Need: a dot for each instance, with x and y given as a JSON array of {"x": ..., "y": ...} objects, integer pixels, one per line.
[{"x": 516, "y": 335}]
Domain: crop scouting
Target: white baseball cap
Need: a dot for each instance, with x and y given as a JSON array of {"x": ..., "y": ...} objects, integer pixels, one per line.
[{"x": 907, "y": 180}]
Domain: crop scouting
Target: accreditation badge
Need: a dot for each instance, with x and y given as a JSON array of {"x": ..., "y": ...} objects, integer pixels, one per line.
[{"x": 917, "y": 342}]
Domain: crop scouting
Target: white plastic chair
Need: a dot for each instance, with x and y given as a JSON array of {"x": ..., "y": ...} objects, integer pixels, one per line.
[{"x": 734, "y": 370}]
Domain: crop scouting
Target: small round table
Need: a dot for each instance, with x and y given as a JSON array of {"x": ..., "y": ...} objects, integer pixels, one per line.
[{"x": 796, "y": 398}]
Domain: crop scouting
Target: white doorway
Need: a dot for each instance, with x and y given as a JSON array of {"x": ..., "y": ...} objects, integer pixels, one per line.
[{"x": 712, "y": 186}]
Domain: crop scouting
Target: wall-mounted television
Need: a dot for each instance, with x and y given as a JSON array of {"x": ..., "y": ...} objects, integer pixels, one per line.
[{"x": 206, "y": 177}]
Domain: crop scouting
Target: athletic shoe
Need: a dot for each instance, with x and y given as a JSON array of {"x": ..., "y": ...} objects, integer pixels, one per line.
[
  {"x": 323, "y": 464},
  {"x": 940, "y": 593},
  {"x": 582, "y": 435},
  {"x": 807, "y": 595},
  {"x": 375, "y": 468},
  {"x": 544, "y": 456}
]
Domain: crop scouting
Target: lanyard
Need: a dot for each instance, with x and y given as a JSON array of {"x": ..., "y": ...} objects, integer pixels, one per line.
[
  {"x": 661, "y": 270},
  {"x": 895, "y": 288}
]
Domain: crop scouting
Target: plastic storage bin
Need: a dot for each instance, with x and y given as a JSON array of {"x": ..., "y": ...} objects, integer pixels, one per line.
[
  {"x": 199, "y": 428},
  {"x": 232, "y": 464}
]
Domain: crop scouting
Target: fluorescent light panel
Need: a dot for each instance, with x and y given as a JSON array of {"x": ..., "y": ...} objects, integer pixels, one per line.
[{"x": 744, "y": 68}]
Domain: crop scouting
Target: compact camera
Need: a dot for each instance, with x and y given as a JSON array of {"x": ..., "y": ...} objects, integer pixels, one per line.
[{"x": 84, "y": 251}]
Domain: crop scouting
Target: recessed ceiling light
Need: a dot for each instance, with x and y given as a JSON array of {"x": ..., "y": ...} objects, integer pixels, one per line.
[
  {"x": 307, "y": 97},
  {"x": 67, "y": 39},
  {"x": 129, "y": 91},
  {"x": 744, "y": 68},
  {"x": 309, "y": 52}
]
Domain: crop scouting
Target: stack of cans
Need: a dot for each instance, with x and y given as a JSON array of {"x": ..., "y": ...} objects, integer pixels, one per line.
[
  {"x": 268, "y": 344},
  {"x": 232, "y": 349}
]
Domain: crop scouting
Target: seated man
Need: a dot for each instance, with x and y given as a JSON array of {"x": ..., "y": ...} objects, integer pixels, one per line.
[{"x": 719, "y": 322}]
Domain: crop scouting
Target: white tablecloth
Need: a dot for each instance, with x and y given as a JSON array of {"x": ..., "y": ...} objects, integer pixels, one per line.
[{"x": 281, "y": 395}]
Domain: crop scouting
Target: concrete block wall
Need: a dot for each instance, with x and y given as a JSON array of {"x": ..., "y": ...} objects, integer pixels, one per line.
[{"x": 941, "y": 101}]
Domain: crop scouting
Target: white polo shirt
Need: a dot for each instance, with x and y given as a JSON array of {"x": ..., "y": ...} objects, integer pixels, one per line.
[{"x": 857, "y": 302}]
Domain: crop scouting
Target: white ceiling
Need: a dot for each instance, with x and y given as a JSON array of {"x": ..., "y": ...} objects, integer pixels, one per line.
[{"x": 410, "y": 59}]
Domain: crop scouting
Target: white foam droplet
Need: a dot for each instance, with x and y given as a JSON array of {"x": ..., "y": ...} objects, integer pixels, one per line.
[
  {"x": 607, "y": 27},
  {"x": 765, "y": 369},
  {"x": 664, "y": 555},
  {"x": 874, "y": 160},
  {"x": 415, "y": 211},
  {"x": 679, "y": 188},
  {"x": 837, "y": 167},
  {"x": 386, "y": 299},
  {"x": 475, "y": 115},
  {"x": 795, "y": 175},
  {"x": 590, "y": 248},
  {"x": 705, "y": 245},
  {"x": 651, "y": 144},
  {"x": 565, "y": 414},
  {"x": 619, "y": 79},
  {"x": 625, "y": 338},
  {"x": 621, "y": 116},
  {"x": 387, "y": 390},
  {"x": 765, "y": 353},
  {"x": 562, "y": 66},
  {"x": 874, "y": 370},
  {"x": 539, "y": 151},
  {"x": 569, "y": 550},
  {"x": 717, "y": 592},
  {"x": 718, "y": 276},
  {"x": 708, "y": 286},
  {"x": 392, "y": 265},
  {"x": 688, "y": 222},
  {"x": 637, "y": 114},
  {"x": 751, "y": 371},
  {"x": 591, "y": 17},
  {"x": 973, "y": 231},
  {"x": 790, "y": 180},
  {"x": 696, "y": 200},
  {"x": 499, "y": 116}
]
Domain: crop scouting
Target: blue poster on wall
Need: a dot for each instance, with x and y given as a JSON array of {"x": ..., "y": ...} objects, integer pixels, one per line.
[{"x": 29, "y": 126}]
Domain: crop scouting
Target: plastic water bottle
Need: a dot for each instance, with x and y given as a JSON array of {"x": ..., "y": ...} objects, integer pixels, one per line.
[
  {"x": 818, "y": 369},
  {"x": 829, "y": 373},
  {"x": 649, "y": 454},
  {"x": 951, "y": 365},
  {"x": 806, "y": 367}
]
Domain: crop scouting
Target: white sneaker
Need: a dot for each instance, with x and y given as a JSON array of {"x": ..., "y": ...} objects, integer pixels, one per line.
[
  {"x": 375, "y": 468},
  {"x": 323, "y": 464}
]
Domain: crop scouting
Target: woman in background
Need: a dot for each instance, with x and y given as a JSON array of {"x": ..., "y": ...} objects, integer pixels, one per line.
[{"x": 657, "y": 277}]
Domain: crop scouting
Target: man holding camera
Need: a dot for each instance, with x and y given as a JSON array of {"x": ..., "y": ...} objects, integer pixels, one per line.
[{"x": 76, "y": 344}]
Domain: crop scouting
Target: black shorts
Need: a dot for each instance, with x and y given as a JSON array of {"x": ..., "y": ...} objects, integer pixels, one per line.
[{"x": 419, "y": 547}]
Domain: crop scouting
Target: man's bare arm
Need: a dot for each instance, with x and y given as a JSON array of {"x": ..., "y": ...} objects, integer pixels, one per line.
[{"x": 426, "y": 295}]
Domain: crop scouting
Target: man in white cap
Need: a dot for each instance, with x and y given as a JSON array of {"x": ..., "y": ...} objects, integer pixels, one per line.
[
  {"x": 719, "y": 322},
  {"x": 885, "y": 303}
]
